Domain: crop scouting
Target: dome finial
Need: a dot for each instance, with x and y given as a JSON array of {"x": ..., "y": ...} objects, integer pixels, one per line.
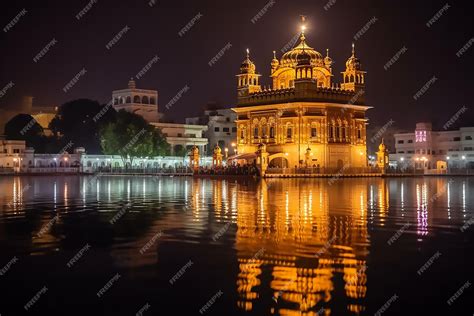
[
  {"x": 303, "y": 27},
  {"x": 327, "y": 52},
  {"x": 353, "y": 49},
  {"x": 248, "y": 53},
  {"x": 274, "y": 55}
]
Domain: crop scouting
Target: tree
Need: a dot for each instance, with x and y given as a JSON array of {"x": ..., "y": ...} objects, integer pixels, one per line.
[
  {"x": 130, "y": 136},
  {"x": 24, "y": 127},
  {"x": 80, "y": 121}
]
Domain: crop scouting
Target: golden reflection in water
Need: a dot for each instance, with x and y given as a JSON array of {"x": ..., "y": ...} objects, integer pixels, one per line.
[{"x": 304, "y": 244}]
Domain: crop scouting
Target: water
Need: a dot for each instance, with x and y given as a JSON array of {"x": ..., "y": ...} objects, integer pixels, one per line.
[{"x": 169, "y": 246}]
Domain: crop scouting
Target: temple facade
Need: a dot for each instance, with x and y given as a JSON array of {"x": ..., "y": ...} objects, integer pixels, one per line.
[{"x": 304, "y": 119}]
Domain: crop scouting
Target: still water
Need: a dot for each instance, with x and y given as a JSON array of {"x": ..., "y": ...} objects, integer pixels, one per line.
[{"x": 183, "y": 246}]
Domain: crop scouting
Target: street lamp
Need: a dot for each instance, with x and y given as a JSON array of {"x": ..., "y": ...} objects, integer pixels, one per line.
[{"x": 226, "y": 152}]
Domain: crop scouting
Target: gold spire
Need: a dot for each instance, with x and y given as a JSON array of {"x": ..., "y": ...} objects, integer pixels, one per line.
[
  {"x": 327, "y": 52},
  {"x": 274, "y": 55},
  {"x": 248, "y": 53},
  {"x": 303, "y": 27},
  {"x": 353, "y": 49}
]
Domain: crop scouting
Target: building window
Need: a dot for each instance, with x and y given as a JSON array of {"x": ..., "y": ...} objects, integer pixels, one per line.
[
  {"x": 330, "y": 129},
  {"x": 255, "y": 132},
  {"x": 216, "y": 129},
  {"x": 16, "y": 151},
  {"x": 410, "y": 152},
  {"x": 457, "y": 139},
  {"x": 289, "y": 132},
  {"x": 467, "y": 148},
  {"x": 264, "y": 131},
  {"x": 359, "y": 136},
  {"x": 225, "y": 129},
  {"x": 337, "y": 132},
  {"x": 242, "y": 134},
  {"x": 410, "y": 141},
  {"x": 272, "y": 132},
  {"x": 234, "y": 129},
  {"x": 401, "y": 142},
  {"x": 401, "y": 152},
  {"x": 313, "y": 132},
  {"x": 180, "y": 135},
  {"x": 468, "y": 138}
]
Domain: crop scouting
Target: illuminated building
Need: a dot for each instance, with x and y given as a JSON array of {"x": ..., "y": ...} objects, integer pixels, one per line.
[
  {"x": 304, "y": 110},
  {"x": 427, "y": 149}
]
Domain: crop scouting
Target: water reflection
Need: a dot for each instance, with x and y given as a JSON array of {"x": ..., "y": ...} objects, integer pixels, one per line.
[{"x": 301, "y": 247}]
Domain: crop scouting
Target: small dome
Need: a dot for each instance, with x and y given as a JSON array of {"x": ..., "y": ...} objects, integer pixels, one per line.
[
  {"x": 275, "y": 61},
  {"x": 247, "y": 66},
  {"x": 382, "y": 146},
  {"x": 327, "y": 59},
  {"x": 353, "y": 63}
]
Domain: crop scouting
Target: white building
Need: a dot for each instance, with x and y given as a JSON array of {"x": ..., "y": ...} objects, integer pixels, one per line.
[
  {"x": 221, "y": 130},
  {"x": 427, "y": 149},
  {"x": 144, "y": 102},
  {"x": 183, "y": 136},
  {"x": 138, "y": 101}
]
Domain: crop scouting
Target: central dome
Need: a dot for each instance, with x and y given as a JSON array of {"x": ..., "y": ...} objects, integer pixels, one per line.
[{"x": 290, "y": 58}]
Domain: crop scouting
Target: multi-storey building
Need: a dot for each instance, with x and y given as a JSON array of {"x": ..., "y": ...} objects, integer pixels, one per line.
[
  {"x": 221, "y": 129},
  {"x": 428, "y": 149},
  {"x": 139, "y": 101},
  {"x": 305, "y": 119}
]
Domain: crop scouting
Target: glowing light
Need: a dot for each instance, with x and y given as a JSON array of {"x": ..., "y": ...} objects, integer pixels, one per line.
[
  {"x": 401, "y": 159},
  {"x": 463, "y": 157},
  {"x": 303, "y": 28},
  {"x": 448, "y": 157}
]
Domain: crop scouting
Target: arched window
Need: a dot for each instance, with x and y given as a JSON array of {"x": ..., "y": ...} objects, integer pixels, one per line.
[
  {"x": 116, "y": 101},
  {"x": 145, "y": 99},
  {"x": 255, "y": 132},
  {"x": 289, "y": 132},
  {"x": 352, "y": 78},
  {"x": 128, "y": 100},
  {"x": 152, "y": 100},
  {"x": 264, "y": 131},
  {"x": 272, "y": 132},
  {"x": 136, "y": 99}
]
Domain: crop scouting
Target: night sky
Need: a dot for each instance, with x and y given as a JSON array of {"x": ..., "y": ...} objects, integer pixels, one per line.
[{"x": 431, "y": 51}]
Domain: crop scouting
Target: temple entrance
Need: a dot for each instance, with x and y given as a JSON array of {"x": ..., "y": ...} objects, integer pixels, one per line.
[{"x": 278, "y": 162}]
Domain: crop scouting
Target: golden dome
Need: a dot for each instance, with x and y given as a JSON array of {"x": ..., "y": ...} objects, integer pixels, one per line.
[
  {"x": 353, "y": 63},
  {"x": 290, "y": 58},
  {"x": 275, "y": 61},
  {"x": 217, "y": 149},
  {"x": 382, "y": 146},
  {"x": 247, "y": 65},
  {"x": 327, "y": 59}
]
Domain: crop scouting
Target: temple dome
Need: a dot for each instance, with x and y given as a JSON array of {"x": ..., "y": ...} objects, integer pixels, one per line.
[{"x": 290, "y": 58}]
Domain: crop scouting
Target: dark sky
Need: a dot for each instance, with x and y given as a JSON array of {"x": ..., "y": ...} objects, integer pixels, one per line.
[{"x": 184, "y": 60}]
